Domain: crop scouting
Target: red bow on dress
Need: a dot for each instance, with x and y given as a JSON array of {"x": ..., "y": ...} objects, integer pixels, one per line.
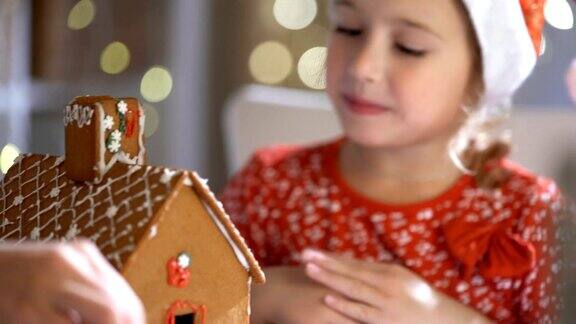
[{"x": 490, "y": 248}]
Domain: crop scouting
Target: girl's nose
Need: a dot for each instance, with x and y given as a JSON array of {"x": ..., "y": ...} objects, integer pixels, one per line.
[{"x": 369, "y": 64}]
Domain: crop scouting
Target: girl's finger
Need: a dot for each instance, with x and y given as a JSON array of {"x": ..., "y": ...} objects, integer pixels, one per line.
[
  {"x": 344, "y": 266},
  {"x": 357, "y": 311},
  {"x": 349, "y": 287}
]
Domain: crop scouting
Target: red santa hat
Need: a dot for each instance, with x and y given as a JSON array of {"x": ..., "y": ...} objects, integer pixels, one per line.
[{"x": 509, "y": 33}]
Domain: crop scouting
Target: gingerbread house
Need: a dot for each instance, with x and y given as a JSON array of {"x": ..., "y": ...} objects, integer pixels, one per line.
[{"x": 162, "y": 228}]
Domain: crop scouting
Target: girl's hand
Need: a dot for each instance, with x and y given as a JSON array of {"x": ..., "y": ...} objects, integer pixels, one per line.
[
  {"x": 383, "y": 292},
  {"x": 63, "y": 283},
  {"x": 290, "y": 297}
]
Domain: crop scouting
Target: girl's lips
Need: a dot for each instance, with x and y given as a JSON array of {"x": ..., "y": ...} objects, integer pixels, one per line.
[{"x": 363, "y": 107}]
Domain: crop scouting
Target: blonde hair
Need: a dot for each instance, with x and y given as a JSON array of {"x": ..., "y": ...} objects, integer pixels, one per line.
[{"x": 483, "y": 141}]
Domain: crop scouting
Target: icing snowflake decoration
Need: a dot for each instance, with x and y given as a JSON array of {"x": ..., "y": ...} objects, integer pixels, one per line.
[
  {"x": 116, "y": 136},
  {"x": 183, "y": 260},
  {"x": 114, "y": 146},
  {"x": 122, "y": 107},
  {"x": 18, "y": 200},
  {"x": 108, "y": 122}
]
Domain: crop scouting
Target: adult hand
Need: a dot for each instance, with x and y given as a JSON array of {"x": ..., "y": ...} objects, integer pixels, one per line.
[{"x": 63, "y": 283}]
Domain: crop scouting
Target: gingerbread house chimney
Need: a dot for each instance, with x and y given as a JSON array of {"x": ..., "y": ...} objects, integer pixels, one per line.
[{"x": 100, "y": 131}]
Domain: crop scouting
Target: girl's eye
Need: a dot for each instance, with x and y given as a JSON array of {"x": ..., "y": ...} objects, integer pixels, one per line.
[
  {"x": 410, "y": 51},
  {"x": 348, "y": 31}
]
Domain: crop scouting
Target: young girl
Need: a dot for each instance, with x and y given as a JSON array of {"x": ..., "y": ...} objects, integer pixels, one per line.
[{"x": 398, "y": 222}]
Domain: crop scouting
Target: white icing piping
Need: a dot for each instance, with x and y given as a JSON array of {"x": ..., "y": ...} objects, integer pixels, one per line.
[
  {"x": 101, "y": 166},
  {"x": 167, "y": 176},
  {"x": 239, "y": 255},
  {"x": 188, "y": 182},
  {"x": 153, "y": 231},
  {"x": 76, "y": 113},
  {"x": 142, "y": 123},
  {"x": 123, "y": 209},
  {"x": 249, "y": 310}
]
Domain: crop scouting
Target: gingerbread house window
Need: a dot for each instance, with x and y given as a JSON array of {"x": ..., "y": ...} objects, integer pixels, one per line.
[
  {"x": 184, "y": 318},
  {"x": 184, "y": 312}
]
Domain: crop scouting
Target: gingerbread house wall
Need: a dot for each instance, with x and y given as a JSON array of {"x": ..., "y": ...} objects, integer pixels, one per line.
[
  {"x": 82, "y": 144},
  {"x": 217, "y": 279}
]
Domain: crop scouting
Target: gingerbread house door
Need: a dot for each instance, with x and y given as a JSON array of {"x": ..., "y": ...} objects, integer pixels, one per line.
[{"x": 183, "y": 312}]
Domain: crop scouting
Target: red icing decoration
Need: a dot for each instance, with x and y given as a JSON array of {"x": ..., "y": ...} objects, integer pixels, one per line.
[
  {"x": 131, "y": 121},
  {"x": 490, "y": 248},
  {"x": 180, "y": 304},
  {"x": 177, "y": 276}
]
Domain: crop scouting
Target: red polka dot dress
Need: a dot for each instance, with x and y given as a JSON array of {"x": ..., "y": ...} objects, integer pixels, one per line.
[{"x": 492, "y": 250}]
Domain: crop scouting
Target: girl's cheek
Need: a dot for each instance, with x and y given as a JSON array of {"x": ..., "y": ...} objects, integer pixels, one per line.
[{"x": 336, "y": 64}]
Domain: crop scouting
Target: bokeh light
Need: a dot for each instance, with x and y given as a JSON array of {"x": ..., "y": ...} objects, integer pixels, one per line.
[
  {"x": 295, "y": 14},
  {"x": 152, "y": 120},
  {"x": 115, "y": 58},
  {"x": 558, "y": 14},
  {"x": 81, "y": 15},
  {"x": 270, "y": 62},
  {"x": 7, "y": 156},
  {"x": 156, "y": 84},
  {"x": 311, "y": 68}
]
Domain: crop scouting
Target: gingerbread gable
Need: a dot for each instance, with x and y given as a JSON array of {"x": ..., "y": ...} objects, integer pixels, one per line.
[{"x": 38, "y": 202}]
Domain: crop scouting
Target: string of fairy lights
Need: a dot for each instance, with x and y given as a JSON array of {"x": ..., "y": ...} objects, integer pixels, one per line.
[{"x": 270, "y": 62}]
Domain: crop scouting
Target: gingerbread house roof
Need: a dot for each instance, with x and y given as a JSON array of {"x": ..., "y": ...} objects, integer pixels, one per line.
[{"x": 38, "y": 202}]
